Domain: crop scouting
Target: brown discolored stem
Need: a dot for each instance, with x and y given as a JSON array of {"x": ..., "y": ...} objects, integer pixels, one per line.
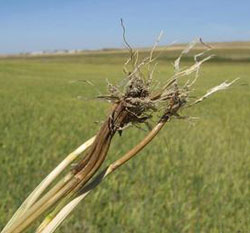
[
  {"x": 83, "y": 171},
  {"x": 130, "y": 154},
  {"x": 85, "y": 190}
]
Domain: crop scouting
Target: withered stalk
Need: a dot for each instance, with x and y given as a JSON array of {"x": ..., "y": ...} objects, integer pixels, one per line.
[
  {"x": 54, "y": 219},
  {"x": 82, "y": 172}
]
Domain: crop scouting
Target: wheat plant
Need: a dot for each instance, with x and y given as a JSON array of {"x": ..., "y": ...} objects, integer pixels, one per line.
[{"x": 135, "y": 101}]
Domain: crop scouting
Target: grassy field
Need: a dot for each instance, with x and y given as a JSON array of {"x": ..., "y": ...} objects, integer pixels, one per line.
[{"x": 192, "y": 178}]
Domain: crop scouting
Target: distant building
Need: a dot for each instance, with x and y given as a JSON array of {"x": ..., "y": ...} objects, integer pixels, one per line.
[{"x": 37, "y": 53}]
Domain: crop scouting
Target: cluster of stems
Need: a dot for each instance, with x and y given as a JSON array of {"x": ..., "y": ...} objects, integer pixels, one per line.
[
  {"x": 135, "y": 105},
  {"x": 74, "y": 183}
]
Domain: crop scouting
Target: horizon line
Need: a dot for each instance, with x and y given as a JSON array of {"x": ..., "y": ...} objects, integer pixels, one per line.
[{"x": 110, "y": 49}]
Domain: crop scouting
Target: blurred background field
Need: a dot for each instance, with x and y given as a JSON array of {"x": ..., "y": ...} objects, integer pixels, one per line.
[{"x": 192, "y": 178}]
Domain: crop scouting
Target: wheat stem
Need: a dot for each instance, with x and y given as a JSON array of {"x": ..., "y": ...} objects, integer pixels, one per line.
[
  {"x": 37, "y": 192},
  {"x": 50, "y": 224}
]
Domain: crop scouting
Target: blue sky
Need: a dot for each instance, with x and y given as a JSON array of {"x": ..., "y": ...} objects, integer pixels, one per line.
[{"x": 33, "y": 25}]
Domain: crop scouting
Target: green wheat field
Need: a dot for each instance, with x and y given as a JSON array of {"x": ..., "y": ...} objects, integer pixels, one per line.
[{"x": 194, "y": 177}]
